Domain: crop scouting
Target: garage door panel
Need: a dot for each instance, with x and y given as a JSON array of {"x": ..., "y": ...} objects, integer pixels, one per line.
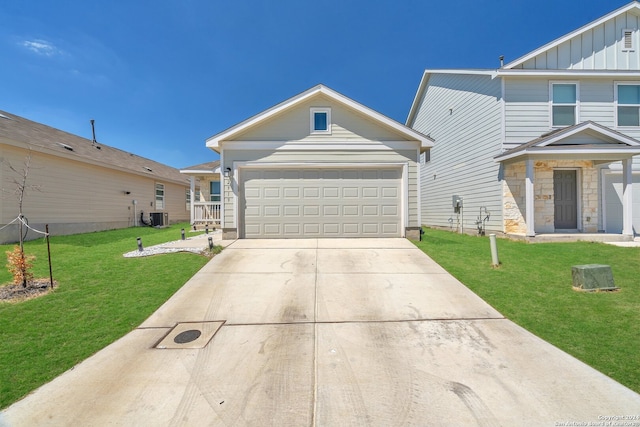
[
  {"x": 272, "y": 229},
  {"x": 321, "y": 203},
  {"x": 350, "y": 210},
  {"x": 390, "y": 228},
  {"x": 312, "y": 229},
  {"x": 370, "y": 228},
  {"x": 388, "y": 210},
  {"x": 252, "y": 193},
  {"x": 328, "y": 192},
  {"x": 331, "y": 229},
  {"x": 311, "y": 210},
  {"x": 370, "y": 210},
  {"x": 291, "y": 210},
  {"x": 350, "y": 228},
  {"x": 272, "y": 193},
  {"x": 252, "y": 212},
  {"x": 331, "y": 210},
  {"x": 291, "y": 229},
  {"x": 331, "y": 174},
  {"x": 272, "y": 210},
  {"x": 391, "y": 192},
  {"x": 351, "y": 192},
  {"x": 311, "y": 192},
  {"x": 370, "y": 192},
  {"x": 291, "y": 192}
]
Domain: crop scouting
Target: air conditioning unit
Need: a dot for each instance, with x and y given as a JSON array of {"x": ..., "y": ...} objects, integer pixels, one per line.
[{"x": 159, "y": 219}]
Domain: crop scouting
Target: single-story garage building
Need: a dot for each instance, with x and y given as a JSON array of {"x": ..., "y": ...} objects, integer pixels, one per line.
[{"x": 320, "y": 165}]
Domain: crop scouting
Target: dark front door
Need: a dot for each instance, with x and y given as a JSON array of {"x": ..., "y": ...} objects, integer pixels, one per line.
[{"x": 565, "y": 199}]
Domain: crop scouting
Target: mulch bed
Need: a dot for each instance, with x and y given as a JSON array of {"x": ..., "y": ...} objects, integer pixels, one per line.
[{"x": 34, "y": 289}]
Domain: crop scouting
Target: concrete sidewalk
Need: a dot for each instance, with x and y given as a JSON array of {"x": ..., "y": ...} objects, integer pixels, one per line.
[{"x": 326, "y": 332}]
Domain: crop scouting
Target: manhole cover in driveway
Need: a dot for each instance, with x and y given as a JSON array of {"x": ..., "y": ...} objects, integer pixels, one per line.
[
  {"x": 187, "y": 336},
  {"x": 190, "y": 335}
]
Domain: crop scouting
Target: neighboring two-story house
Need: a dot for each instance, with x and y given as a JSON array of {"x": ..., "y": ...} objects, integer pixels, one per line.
[{"x": 545, "y": 143}]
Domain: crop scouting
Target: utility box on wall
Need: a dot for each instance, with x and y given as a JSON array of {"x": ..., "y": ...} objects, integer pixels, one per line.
[{"x": 456, "y": 202}]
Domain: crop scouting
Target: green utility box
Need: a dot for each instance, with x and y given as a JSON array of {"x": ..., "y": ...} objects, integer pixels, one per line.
[{"x": 592, "y": 277}]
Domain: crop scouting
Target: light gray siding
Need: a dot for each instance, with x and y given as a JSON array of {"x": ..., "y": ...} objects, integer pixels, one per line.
[
  {"x": 294, "y": 125},
  {"x": 463, "y": 115},
  {"x": 527, "y": 108},
  {"x": 599, "y": 48}
]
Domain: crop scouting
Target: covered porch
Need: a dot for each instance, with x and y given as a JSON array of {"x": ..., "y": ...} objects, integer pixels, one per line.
[
  {"x": 552, "y": 185},
  {"x": 205, "y": 204}
]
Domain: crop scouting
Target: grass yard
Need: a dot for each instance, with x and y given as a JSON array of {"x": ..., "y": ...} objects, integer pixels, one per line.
[
  {"x": 533, "y": 288},
  {"x": 100, "y": 297}
]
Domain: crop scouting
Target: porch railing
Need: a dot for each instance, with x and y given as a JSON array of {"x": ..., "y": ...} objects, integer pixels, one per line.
[{"x": 206, "y": 212}]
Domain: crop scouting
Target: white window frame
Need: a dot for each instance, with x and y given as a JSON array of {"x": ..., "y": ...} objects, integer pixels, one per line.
[
  {"x": 633, "y": 44},
  {"x": 312, "y": 116},
  {"x": 212, "y": 194},
  {"x": 551, "y": 104},
  {"x": 161, "y": 198},
  {"x": 616, "y": 105},
  {"x": 188, "y": 199}
]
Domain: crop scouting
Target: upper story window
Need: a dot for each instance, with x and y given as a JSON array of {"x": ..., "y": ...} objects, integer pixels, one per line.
[
  {"x": 321, "y": 120},
  {"x": 564, "y": 103},
  {"x": 159, "y": 196},
  {"x": 628, "y": 104}
]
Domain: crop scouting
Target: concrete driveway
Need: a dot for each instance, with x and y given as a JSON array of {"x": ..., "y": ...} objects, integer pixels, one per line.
[{"x": 328, "y": 333}]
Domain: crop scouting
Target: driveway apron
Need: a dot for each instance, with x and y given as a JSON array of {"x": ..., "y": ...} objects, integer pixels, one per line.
[{"x": 326, "y": 332}]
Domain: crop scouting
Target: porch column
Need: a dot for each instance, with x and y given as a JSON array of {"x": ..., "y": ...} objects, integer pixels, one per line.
[
  {"x": 627, "y": 198},
  {"x": 529, "y": 200},
  {"x": 192, "y": 196}
]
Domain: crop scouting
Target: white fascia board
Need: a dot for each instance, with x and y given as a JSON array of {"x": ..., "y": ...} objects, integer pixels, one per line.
[
  {"x": 585, "y": 154},
  {"x": 326, "y": 146},
  {"x": 595, "y": 128},
  {"x": 198, "y": 171},
  {"x": 633, "y": 5},
  {"x": 520, "y": 72},
  {"x": 214, "y": 141}
]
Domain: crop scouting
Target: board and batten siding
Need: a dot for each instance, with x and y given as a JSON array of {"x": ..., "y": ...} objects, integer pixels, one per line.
[
  {"x": 462, "y": 113},
  {"x": 75, "y": 197},
  {"x": 332, "y": 157},
  {"x": 600, "y": 48}
]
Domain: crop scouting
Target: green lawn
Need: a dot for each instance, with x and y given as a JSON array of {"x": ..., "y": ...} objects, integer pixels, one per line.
[
  {"x": 533, "y": 288},
  {"x": 100, "y": 297}
]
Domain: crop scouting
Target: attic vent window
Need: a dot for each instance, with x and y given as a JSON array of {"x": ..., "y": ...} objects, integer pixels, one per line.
[
  {"x": 627, "y": 38},
  {"x": 148, "y": 169},
  {"x": 320, "y": 120},
  {"x": 65, "y": 146}
]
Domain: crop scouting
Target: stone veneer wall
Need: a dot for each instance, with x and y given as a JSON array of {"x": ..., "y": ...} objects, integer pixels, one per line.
[{"x": 514, "y": 203}]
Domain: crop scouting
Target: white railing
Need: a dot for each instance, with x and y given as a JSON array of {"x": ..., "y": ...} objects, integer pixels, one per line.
[{"x": 206, "y": 212}]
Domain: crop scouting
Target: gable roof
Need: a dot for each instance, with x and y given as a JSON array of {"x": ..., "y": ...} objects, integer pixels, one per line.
[
  {"x": 633, "y": 6},
  {"x": 603, "y": 144},
  {"x": 27, "y": 134},
  {"x": 202, "y": 168},
  {"x": 214, "y": 141}
]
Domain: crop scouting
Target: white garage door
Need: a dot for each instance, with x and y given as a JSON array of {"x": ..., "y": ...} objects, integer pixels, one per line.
[
  {"x": 613, "y": 203},
  {"x": 292, "y": 203}
]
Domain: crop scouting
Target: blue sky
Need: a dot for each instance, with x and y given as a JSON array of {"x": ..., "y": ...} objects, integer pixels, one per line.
[{"x": 161, "y": 76}]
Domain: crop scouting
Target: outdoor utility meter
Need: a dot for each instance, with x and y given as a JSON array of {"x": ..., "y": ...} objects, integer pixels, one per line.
[{"x": 456, "y": 202}]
